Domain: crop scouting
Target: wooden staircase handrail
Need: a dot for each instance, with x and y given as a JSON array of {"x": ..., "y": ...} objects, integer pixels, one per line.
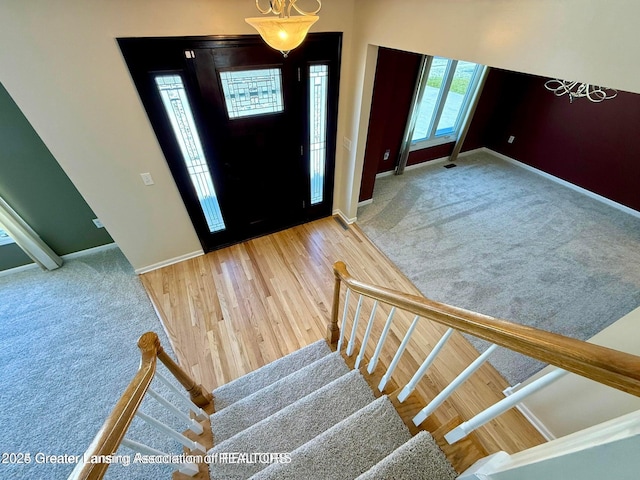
[
  {"x": 109, "y": 437},
  {"x": 604, "y": 365}
]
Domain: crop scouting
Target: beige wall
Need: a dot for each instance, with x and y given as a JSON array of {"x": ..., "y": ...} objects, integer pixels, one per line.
[
  {"x": 573, "y": 403},
  {"x": 60, "y": 63}
]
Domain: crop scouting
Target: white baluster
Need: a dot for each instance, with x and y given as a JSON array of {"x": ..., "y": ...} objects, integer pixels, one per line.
[
  {"x": 186, "y": 401},
  {"x": 444, "y": 394},
  {"x": 190, "y": 444},
  {"x": 352, "y": 340},
  {"x": 411, "y": 386},
  {"x": 344, "y": 319},
  {"x": 376, "y": 355},
  {"x": 396, "y": 358},
  {"x": 366, "y": 335},
  {"x": 502, "y": 406},
  {"x": 189, "y": 469},
  {"x": 194, "y": 426}
]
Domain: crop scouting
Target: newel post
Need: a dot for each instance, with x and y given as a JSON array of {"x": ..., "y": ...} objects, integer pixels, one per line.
[
  {"x": 198, "y": 394},
  {"x": 333, "y": 332}
]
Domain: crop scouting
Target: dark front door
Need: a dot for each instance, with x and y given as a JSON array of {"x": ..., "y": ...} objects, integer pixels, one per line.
[
  {"x": 252, "y": 113},
  {"x": 248, "y": 134}
]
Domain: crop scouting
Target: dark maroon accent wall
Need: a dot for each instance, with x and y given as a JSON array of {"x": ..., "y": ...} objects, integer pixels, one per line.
[
  {"x": 593, "y": 145},
  {"x": 395, "y": 78}
]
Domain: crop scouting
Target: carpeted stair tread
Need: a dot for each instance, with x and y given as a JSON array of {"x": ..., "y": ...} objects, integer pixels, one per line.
[
  {"x": 250, "y": 383},
  {"x": 295, "y": 425},
  {"x": 347, "y": 449},
  {"x": 418, "y": 459},
  {"x": 272, "y": 398}
]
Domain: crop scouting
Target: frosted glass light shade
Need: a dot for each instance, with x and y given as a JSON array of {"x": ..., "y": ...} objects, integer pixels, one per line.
[{"x": 283, "y": 34}]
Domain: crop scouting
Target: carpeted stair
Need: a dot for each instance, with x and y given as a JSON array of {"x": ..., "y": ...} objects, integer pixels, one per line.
[{"x": 310, "y": 406}]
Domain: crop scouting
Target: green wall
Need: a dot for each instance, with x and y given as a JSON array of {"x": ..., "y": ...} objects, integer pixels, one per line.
[{"x": 32, "y": 182}]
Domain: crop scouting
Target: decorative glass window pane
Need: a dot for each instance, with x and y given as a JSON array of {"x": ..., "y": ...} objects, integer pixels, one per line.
[
  {"x": 176, "y": 104},
  {"x": 318, "y": 89},
  {"x": 427, "y": 108},
  {"x": 5, "y": 238},
  {"x": 252, "y": 92},
  {"x": 456, "y": 97}
]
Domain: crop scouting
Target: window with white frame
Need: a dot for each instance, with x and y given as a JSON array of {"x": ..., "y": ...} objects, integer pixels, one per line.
[{"x": 445, "y": 99}]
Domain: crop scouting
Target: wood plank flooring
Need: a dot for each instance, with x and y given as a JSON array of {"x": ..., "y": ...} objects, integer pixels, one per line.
[{"x": 233, "y": 310}]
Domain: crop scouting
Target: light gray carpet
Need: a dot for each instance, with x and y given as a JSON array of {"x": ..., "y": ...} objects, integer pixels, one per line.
[
  {"x": 295, "y": 424},
  {"x": 252, "y": 382},
  {"x": 332, "y": 429},
  {"x": 68, "y": 350},
  {"x": 259, "y": 405},
  {"x": 494, "y": 238},
  {"x": 418, "y": 459},
  {"x": 347, "y": 449}
]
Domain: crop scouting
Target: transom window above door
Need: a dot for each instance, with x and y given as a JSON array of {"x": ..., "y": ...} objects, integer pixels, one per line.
[{"x": 252, "y": 92}]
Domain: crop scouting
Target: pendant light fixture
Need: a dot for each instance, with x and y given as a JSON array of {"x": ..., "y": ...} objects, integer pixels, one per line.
[
  {"x": 282, "y": 31},
  {"x": 573, "y": 89}
]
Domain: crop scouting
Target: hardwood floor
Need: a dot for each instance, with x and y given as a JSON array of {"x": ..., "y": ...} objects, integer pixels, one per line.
[{"x": 236, "y": 309}]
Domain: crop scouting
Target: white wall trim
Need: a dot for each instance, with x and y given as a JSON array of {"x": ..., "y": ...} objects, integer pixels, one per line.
[
  {"x": 435, "y": 161},
  {"x": 88, "y": 251},
  {"x": 530, "y": 416},
  {"x": 625, "y": 426},
  {"x": 428, "y": 163},
  {"x": 482, "y": 468},
  {"x": 466, "y": 153},
  {"x": 570, "y": 185},
  {"x": 384, "y": 174},
  {"x": 21, "y": 268},
  {"x": 344, "y": 218},
  {"x": 170, "y": 261},
  {"x": 68, "y": 256},
  {"x": 607, "y": 433}
]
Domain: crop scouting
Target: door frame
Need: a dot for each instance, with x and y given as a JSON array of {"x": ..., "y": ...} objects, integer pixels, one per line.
[{"x": 167, "y": 54}]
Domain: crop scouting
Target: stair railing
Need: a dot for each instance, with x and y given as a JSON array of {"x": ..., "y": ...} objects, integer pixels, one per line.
[
  {"x": 113, "y": 431},
  {"x": 604, "y": 365}
]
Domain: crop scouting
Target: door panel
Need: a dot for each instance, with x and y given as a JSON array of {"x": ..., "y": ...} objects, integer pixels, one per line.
[
  {"x": 251, "y": 102},
  {"x": 236, "y": 131}
]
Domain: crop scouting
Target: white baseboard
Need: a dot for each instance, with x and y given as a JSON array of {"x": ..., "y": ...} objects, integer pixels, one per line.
[
  {"x": 409, "y": 168},
  {"x": 384, "y": 174},
  {"x": 89, "y": 251},
  {"x": 170, "y": 261},
  {"x": 428, "y": 163},
  {"x": 344, "y": 218},
  {"x": 68, "y": 256},
  {"x": 530, "y": 416},
  {"x": 21, "y": 268},
  {"x": 570, "y": 185},
  {"x": 471, "y": 152}
]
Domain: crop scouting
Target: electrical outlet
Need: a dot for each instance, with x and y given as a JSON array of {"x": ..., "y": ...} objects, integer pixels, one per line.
[
  {"x": 386, "y": 154},
  {"x": 98, "y": 223},
  {"x": 511, "y": 139},
  {"x": 147, "y": 179}
]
